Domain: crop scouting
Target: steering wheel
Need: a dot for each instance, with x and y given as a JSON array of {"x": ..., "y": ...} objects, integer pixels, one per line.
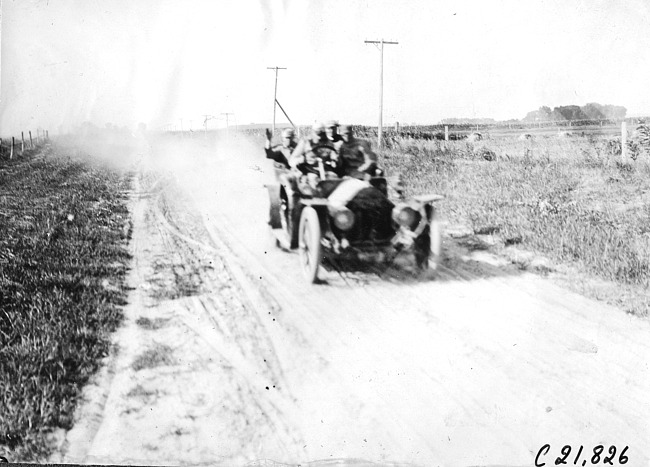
[{"x": 332, "y": 163}]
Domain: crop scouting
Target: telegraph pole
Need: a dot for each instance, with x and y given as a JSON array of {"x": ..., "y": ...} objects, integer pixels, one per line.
[
  {"x": 205, "y": 124},
  {"x": 275, "y": 94},
  {"x": 227, "y": 124},
  {"x": 226, "y": 114},
  {"x": 381, "y": 83}
]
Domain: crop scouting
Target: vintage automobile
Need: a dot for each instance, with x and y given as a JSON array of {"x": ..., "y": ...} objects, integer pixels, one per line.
[{"x": 349, "y": 218}]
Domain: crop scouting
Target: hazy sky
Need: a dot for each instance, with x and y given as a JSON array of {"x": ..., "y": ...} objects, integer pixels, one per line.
[{"x": 157, "y": 61}]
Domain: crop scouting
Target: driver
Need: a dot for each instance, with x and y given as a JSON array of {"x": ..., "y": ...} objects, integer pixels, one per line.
[
  {"x": 281, "y": 152},
  {"x": 305, "y": 157},
  {"x": 315, "y": 157}
]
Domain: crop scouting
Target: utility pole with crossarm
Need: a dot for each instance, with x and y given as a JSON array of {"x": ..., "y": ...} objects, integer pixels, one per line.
[
  {"x": 226, "y": 114},
  {"x": 381, "y": 84},
  {"x": 205, "y": 123},
  {"x": 275, "y": 94}
]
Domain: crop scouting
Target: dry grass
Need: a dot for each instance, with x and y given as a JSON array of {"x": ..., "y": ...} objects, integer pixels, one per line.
[
  {"x": 571, "y": 199},
  {"x": 63, "y": 261}
]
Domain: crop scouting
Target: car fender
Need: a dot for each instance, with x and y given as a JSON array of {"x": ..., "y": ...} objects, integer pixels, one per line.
[
  {"x": 321, "y": 206},
  {"x": 274, "y": 205}
]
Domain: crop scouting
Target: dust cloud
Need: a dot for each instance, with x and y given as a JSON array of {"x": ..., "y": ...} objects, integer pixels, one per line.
[{"x": 225, "y": 155}]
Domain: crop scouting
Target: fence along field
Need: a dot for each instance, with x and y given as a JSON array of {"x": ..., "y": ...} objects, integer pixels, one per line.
[
  {"x": 9, "y": 147},
  {"x": 63, "y": 259},
  {"x": 461, "y": 131}
]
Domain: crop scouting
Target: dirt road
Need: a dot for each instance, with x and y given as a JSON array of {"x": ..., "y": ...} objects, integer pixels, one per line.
[{"x": 228, "y": 357}]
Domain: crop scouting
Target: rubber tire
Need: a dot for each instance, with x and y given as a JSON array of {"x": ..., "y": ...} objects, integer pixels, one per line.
[
  {"x": 275, "y": 207},
  {"x": 422, "y": 250},
  {"x": 285, "y": 217},
  {"x": 309, "y": 244},
  {"x": 435, "y": 235},
  {"x": 428, "y": 246}
]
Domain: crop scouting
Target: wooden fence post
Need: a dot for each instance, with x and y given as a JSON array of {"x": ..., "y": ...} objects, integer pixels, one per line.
[
  {"x": 31, "y": 143},
  {"x": 623, "y": 140},
  {"x": 13, "y": 141},
  {"x": 446, "y": 132},
  {"x": 22, "y": 142}
]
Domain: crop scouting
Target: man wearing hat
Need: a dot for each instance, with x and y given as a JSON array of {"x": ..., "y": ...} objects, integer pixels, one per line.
[
  {"x": 304, "y": 157},
  {"x": 281, "y": 152},
  {"x": 332, "y": 131},
  {"x": 356, "y": 158}
]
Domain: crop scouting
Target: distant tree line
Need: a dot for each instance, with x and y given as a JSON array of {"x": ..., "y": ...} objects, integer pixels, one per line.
[{"x": 591, "y": 111}]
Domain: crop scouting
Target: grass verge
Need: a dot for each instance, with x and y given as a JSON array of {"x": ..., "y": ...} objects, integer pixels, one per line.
[
  {"x": 63, "y": 261},
  {"x": 570, "y": 199}
]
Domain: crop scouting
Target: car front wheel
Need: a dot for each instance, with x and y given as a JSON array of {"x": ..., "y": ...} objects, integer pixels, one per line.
[
  {"x": 435, "y": 233},
  {"x": 428, "y": 246}
]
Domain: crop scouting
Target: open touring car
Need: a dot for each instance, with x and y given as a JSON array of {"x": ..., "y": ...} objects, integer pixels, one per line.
[{"x": 351, "y": 218}]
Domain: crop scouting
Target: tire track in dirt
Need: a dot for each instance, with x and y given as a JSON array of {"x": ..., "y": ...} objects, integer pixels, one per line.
[
  {"x": 252, "y": 343},
  {"x": 233, "y": 330},
  {"x": 209, "y": 384}
]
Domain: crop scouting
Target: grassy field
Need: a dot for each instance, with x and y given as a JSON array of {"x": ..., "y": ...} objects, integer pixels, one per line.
[
  {"x": 571, "y": 199},
  {"x": 63, "y": 259}
]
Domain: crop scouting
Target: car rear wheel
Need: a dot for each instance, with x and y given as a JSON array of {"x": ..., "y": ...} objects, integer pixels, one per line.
[
  {"x": 309, "y": 244},
  {"x": 275, "y": 207},
  {"x": 289, "y": 220}
]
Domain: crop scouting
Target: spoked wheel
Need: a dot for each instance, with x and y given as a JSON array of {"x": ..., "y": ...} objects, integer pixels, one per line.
[
  {"x": 428, "y": 246},
  {"x": 309, "y": 245},
  {"x": 435, "y": 234},
  {"x": 285, "y": 220},
  {"x": 275, "y": 207}
]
